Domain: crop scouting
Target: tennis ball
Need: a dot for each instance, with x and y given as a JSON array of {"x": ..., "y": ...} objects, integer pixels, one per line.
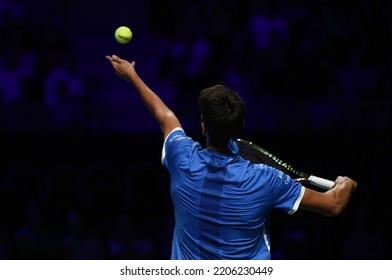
[{"x": 123, "y": 34}]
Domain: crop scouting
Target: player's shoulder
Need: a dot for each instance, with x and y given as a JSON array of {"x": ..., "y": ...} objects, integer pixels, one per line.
[
  {"x": 178, "y": 140},
  {"x": 177, "y": 134}
]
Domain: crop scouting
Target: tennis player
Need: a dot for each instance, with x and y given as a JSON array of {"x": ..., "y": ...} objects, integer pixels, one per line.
[{"x": 222, "y": 202}]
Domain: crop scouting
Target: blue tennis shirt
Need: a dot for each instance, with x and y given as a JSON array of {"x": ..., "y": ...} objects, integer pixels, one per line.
[{"x": 222, "y": 203}]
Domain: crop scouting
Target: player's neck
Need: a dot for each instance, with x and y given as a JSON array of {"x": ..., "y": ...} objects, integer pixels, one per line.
[
  {"x": 219, "y": 149},
  {"x": 223, "y": 149}
]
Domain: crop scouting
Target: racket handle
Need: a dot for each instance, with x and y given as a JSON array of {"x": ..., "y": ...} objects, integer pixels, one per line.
[{"x": 321, "y": 182}]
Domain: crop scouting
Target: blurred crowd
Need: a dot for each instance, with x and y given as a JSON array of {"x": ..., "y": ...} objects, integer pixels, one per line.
[
  {"x": 323, "y": 64},
  {"x": 79, "y": 203},
  {"x": 316, "y": 67}
]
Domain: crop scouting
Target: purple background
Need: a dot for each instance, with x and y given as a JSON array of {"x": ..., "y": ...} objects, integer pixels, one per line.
[{"x": 80, "y": 171}]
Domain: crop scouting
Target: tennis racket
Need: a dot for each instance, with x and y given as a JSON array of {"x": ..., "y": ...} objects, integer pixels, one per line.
[{"x": 256, "y": 154}]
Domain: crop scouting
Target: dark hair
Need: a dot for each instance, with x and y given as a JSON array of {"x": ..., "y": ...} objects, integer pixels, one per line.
[{"x": 223, "y": 113}]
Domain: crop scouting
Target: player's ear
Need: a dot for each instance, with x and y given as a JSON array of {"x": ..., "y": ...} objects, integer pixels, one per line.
[{"x": 203, "y": 129}]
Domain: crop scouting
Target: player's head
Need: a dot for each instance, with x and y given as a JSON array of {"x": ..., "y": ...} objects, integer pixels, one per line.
[{"x": 222, "y": 113}]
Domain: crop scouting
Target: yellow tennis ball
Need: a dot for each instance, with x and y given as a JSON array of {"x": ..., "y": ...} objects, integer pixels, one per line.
[{"x": 123, "y": 34}]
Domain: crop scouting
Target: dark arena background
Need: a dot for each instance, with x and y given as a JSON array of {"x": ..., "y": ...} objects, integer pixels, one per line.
[{"x": 80, "y": 170}]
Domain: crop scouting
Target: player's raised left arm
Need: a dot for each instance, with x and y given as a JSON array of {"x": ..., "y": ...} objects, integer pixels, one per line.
[{"x": 154, "y": 104}]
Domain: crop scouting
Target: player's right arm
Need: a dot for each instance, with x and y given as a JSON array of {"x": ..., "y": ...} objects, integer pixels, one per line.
[
  {"x": 162, "y": 114},
  {"x": 331, "y": 202}
]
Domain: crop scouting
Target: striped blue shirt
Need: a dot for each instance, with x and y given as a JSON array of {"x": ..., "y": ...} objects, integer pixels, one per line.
[{"x": 222, "y": 203}]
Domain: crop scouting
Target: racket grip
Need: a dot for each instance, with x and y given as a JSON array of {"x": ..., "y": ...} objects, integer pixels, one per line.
[{"x": 321, "y": 182}]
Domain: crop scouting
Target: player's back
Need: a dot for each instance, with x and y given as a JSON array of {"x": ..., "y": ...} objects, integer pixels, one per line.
[{"x": 222, "y": 208}]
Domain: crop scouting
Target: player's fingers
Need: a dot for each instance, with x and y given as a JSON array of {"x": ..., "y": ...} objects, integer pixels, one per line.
[
  {"x": 116, "y": 58},
  {"x": 113, "y": 58},
  {"x": 338, "y": 179}
]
